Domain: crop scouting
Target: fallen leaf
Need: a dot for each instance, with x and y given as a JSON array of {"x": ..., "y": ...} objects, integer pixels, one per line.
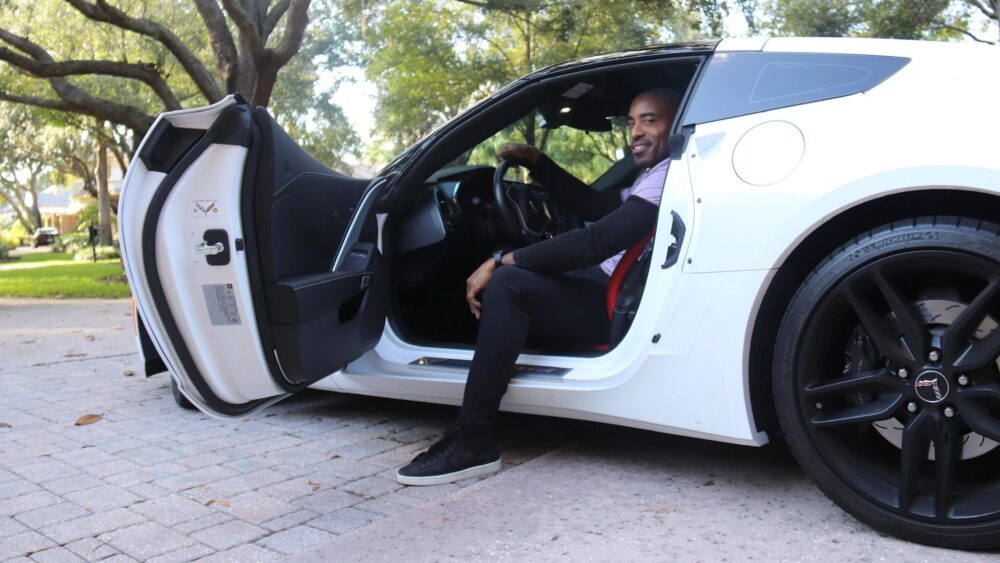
[
  {"x": 314, "y": 486},
  {"x": 90, "y": 337},
  {"x": 88, "y": 419},
  {"x": 128, "y": 373},
  {"x": 77, "y": 330},
  {"x": 79, "y": 355},
  {"x": 445, "y": 519},
  {"x": 223, "y": 502},
  {"x": 4, "y": 425},
  {"x": 28, "y": 342},
  {"x": 210, "y": 502},
  {"x": 335, "y": 456}
]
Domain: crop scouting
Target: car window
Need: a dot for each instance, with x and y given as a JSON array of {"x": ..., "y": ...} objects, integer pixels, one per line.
[
  {"x": 585, "y": 154},
  {"x": 737, "y": 84}
]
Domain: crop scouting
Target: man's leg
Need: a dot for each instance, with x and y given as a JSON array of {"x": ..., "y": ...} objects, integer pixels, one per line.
[{"x": 565, "y": 308}]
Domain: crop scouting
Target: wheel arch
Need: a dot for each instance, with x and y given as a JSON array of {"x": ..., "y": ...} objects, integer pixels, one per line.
[{"x": 800, "y": 259}]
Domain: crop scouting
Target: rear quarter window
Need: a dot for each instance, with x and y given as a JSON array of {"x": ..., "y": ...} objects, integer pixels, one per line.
[{"x": 742, "y": 83}]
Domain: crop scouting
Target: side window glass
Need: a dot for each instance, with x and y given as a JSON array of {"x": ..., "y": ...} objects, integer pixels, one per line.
[{"x": 743, "y": 83}]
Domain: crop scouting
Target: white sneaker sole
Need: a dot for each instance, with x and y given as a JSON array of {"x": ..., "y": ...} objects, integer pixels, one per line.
[{"x": 475, "y": 471}]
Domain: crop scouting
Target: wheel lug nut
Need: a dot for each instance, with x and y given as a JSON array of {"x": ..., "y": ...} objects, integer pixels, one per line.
[
  {"x": 949, "y": 412},
  {"x": 911, "y": 406},
  {"x": 963, "y": 380},
  {"x": 819, "y": 406},
  {"x": 934, "y": 355},
  {"x": 903, "y": 373}
]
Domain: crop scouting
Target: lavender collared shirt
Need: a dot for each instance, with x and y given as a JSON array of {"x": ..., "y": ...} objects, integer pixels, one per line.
[{"x": 649, "y": 186}]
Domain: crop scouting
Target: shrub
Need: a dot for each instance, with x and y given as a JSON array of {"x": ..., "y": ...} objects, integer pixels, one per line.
[
  {"x": 73, "y": 242},
  {"x": 85, "y": 254},
  {"x": 4, "y": 253}
]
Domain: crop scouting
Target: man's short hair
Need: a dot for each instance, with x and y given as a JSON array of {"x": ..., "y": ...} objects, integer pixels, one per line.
[{"x": 665, "y": 94}]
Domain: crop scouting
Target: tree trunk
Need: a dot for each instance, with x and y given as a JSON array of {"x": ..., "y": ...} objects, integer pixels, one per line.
[
  {"x": 103, "y": 197},
  {"x": 33, "y": 212}
]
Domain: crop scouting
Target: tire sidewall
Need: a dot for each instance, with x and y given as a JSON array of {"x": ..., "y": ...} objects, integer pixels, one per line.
[{"x": 924, "y": 234}]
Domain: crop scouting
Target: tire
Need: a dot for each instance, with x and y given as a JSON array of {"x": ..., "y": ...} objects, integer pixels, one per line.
[
  {"x": 179, "y": 397},
  {"x": 886, "y": 380}
]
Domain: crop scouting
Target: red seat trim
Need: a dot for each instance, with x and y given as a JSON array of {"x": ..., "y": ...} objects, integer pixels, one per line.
[{"x": 621, "y": 271}]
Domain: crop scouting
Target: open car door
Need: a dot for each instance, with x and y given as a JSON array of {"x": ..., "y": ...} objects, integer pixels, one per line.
[{"x": 251, "y": 274}]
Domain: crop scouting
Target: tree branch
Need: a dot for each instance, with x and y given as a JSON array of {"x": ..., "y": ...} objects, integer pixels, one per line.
[
  {"x": 991, "y": 14},
  {"x": 248, "y": 31},
  {"x": 47, "y": 103},
  {"x": 222, "y": 41},
  {"x": 964, "y": 32},
  {"x": 295, "y": 28},
  {"x": 273, "y": 16},
  {"x": 104, "y": 12},
  {"x": 41, "y": 65}
]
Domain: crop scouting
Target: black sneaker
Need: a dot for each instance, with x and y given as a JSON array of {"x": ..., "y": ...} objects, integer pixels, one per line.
[{"x": 453, "y": 458}]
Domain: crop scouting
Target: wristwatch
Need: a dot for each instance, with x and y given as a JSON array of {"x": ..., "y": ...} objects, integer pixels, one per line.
[{"x": 497, "y": 258}]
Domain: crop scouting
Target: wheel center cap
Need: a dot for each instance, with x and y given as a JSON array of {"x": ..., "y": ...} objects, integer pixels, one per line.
[{"x": 931, "y": 386}]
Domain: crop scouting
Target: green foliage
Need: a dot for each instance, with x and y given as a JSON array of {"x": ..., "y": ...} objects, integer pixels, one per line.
[
  {"x": 86, "y": 253},
  {"x": 431, "y": 59},
  {"x": 56, "y": 275},
  {"x": 898, "y": 19},
  {"x": 88, "y": 216},
  {"x": 4, "y": 253},
  {"x": 14, "y": 235}
]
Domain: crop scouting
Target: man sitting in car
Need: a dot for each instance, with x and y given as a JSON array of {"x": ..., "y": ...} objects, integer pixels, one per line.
[{"x": 554, "y": 288}]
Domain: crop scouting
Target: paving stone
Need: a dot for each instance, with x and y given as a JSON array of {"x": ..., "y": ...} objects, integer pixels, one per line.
[
  {"x": 23, "y": 544},
  {"x": 9, "y": 527},
  {"x": 45, "y": 516},
  {"x": 256, "y": 507},
  {"x": 349, "y": 469},
  {"x": 195, "y": 478},
  {"x": 390, "y": 504},
  {"x": 45, "y": 470},
  {"x": 147, "y": 491},
  {"x": 146, "y": 540},
  {"x": 27, "y": 502},
  {"x": 56, "y": 555},
  {"x": 91, "y": 525},
  {"x": 228, "y": 535},
  {"x": 183, "y": 555},
  {"x": 202, "y": 460},
  {"x": 296, "y": 539},
  {"x": 171, "y": 510},
  {"x": 120, "y": 558},
  {"x": 119, "y": 444},
  {"x": 146, "y": 474},
  {"x": 289, "y": 520},
  {"x": 109, "y": 468},
  {"x": 101, "y": 498},
  {"x": 84, "y": 456},
  {"x": 300, "y": 487},
  {"x": 243, "y": 554},
  {"x": 325, "y": 502},
  {"x": 202, "y": 523},
  {"x": 372, "y": 487},
  {"x": 367, "y": 449},
  {"x": 16, "y": 488},
  {"x": 92, "y": 549},
  {"x": 149, "y": 455},
  {"x": 72, "y": 484},
  {"x": 345, "y": 520},
  {"x": 244, "y": 483}
]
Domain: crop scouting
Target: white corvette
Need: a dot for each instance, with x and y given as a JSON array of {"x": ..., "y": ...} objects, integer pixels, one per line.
[{"x": 826, "y": 266}]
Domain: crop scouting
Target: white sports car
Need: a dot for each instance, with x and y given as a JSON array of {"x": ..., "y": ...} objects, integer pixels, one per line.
[{"x": 826, "y": 266}]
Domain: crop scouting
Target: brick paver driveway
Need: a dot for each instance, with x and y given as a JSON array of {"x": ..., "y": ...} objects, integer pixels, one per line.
[{"x": 150, "y": 481}]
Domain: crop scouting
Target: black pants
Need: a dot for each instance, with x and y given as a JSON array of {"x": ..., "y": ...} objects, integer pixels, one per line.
[{"x": 565, "y": 310}]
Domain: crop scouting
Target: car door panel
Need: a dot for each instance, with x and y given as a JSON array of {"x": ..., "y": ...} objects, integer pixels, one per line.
[{"x": 228, "y": 235}]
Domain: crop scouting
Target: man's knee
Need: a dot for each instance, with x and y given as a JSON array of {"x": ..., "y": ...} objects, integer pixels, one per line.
[{"x": 508, "y": 284}]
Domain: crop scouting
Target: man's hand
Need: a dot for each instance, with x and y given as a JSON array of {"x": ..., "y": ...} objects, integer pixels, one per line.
[
  {"x": 478, "y": 281},
  {"x": 517, "y": 151},
  {"x": 476, "y": 284}
]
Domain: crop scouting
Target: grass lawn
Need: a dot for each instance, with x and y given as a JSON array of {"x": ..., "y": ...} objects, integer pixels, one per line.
[{"x": 55, "y": 274}]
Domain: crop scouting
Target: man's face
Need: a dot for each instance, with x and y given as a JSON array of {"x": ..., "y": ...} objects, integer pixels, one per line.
[{"x": 649, "y": 119}]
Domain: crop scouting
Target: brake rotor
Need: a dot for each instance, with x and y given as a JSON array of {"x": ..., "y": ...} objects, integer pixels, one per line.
[{"x": 939, "y": 314}]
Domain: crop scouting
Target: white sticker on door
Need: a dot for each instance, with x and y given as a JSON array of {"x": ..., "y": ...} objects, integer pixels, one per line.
[{"x": 221, "y": 302}]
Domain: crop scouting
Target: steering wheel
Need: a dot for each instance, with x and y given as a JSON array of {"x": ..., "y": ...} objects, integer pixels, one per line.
[{"x": 522, "y": 213}]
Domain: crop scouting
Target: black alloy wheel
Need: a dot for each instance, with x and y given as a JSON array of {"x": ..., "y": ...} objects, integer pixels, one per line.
[{"x": 887, "y": 380}]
